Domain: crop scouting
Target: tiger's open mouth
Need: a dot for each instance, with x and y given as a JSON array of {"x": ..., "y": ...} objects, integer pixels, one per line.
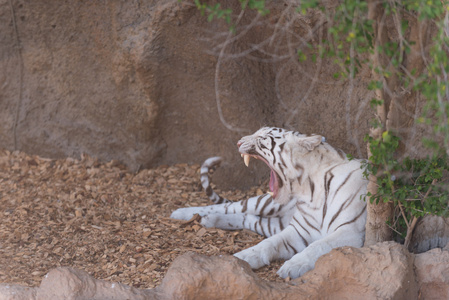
[{"x": 274, "y": 177}]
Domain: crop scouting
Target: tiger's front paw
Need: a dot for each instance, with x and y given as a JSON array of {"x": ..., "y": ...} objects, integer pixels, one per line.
[
  {"x": 254, "y": 259},
  {"x": 257, "y": 256},
  {"x": 295, "y": 267}
]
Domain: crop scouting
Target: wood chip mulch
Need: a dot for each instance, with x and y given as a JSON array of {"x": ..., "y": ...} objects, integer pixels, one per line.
[{"x": 102, "y": 219}]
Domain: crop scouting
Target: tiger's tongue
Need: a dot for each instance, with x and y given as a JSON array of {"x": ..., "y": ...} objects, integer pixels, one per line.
[{"x": 272, "y": 181}]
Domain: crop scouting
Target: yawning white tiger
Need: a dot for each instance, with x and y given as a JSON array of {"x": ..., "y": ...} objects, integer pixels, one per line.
[{"x": 314, "y": 205}]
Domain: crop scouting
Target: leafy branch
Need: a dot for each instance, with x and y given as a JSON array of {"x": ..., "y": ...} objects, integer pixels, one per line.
[
  {"x": 389, "y": 37},
  {"x": 414, "y": 186}
]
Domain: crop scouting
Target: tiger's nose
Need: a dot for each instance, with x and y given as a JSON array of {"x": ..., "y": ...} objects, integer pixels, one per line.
[{"x": 239, "y": 143}]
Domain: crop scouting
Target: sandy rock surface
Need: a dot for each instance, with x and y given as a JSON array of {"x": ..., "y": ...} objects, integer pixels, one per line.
[
  {"x": 432, "y": 273},
  {"x": 383, "y": 271}
]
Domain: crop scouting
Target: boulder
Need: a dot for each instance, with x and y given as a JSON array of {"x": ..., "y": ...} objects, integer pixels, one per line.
[
  {"x": 430, "y": 232},
  {"x": 71, "y": 284},
  {"x": 382, "y": 271},
  {"x": 432, "y": 274}
]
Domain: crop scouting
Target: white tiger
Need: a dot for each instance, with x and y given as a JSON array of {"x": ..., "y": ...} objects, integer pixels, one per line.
[{"x": 317, "y": 201}]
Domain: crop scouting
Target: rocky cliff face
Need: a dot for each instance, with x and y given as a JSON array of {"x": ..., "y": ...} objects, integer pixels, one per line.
[{"x": 152, "y": 82}]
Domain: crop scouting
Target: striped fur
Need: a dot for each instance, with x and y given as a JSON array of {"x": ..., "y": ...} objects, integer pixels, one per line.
[
  {"x": 316, "y": 204},
  {"x": 211, "y": 164}
]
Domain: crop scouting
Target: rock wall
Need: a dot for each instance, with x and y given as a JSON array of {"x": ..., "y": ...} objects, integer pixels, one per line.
[
  {"x": 383, "y": 271},
  {"x": 150, "y": 83},
  {"x": 72, "y": 85}
]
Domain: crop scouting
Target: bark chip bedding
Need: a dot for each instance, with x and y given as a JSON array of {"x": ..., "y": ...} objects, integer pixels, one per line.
[{"x": 104, "y": 220}]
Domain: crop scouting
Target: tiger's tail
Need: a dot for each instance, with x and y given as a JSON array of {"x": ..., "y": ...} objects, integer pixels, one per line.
[{"x": 211, "y": 164}]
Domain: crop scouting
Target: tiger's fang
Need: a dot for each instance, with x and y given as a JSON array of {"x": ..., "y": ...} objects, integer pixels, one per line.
[{"x": 246, "y": 159}]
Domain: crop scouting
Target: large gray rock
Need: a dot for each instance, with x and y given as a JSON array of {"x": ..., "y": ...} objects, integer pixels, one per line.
[{"x": 430, "y": 232}]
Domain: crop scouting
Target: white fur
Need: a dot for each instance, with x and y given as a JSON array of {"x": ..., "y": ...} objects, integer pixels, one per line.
[{"x": 318, "y": 206}]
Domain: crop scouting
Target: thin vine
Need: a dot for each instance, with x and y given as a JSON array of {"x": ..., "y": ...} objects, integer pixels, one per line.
[{"x": 19, "y": 50}]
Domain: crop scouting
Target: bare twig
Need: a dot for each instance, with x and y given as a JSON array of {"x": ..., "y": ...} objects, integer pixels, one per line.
[
  {"x": 410, "y": 229},
  {"x": 404, "y": 216}
]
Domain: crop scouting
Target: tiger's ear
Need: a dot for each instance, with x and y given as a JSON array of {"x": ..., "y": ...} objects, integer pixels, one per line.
[{"x": 309, "y": 143}]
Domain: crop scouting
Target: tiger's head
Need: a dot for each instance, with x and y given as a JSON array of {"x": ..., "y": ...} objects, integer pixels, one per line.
[{"x": 283, "y": 151}]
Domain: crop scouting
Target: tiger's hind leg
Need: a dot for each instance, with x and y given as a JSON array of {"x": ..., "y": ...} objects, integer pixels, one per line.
[
  {"x": 259, "y": 206},
  {"x": 261, "y": 225},
  {"x": 260, "y": 214}
]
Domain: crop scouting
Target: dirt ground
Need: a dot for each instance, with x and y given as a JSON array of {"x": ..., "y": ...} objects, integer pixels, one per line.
[{"x": 105, "y": 220}]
